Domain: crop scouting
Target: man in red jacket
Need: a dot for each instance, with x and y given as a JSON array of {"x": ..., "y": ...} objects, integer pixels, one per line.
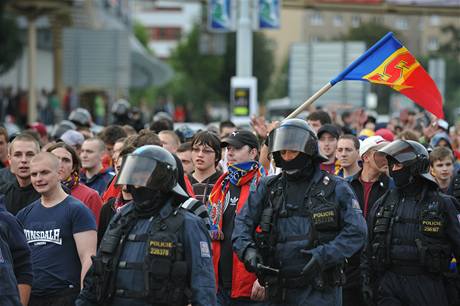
[{"x": 236, "y": 286}]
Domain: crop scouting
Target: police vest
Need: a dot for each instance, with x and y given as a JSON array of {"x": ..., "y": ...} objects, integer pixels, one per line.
[
  {"x": 164, "y": 268},
  {"x": 431, "y": 242},
  {"x": 324, "y": 215}
]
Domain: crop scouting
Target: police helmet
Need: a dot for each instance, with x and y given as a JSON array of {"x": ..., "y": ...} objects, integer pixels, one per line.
[
  {"x": 410, "y": 154},
  {"x": 61, "y": 128},
  {"x": 296, "y": 135},
  {"x": 185, "y": 133},
  {"x": 81, "y": 117},
  {"x": 152, "y": 167},
  {"x": 120, "y": 108}
]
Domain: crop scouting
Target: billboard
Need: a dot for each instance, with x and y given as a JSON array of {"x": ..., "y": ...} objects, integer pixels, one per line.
[
  {"x": 220, "y": 16},
  {"x": 269, "y": 14}
]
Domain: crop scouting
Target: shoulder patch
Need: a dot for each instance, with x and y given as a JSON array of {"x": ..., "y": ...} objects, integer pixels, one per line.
[{"x": 204, "y": 249}]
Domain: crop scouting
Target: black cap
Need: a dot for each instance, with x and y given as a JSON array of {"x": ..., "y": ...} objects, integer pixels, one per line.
[
  {"x": 240, "y": 138},
  {"x": 329, "y": 128}
]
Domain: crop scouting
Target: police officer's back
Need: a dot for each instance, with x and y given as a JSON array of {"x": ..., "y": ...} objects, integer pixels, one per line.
[
  {"x": 298, "y": 227},
  {"x": 414, "y": 230},
  {"x": 153, "y": 252},
  {"x": 15, "y": 261}
]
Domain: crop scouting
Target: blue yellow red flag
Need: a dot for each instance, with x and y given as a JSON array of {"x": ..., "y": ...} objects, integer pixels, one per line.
[{"x": 389, "y": 63}]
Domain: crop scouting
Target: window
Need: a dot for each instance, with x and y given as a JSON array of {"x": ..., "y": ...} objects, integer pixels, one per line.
[
  {"x": 337, "y": 21},
  {"x": 316, "y": 19},
  {"x": 355, "y": 21},
  {"x": 433, "y": 44},
  {"x": 435, "y": 20},
  {"x": 401, "y": 23},
  {"x": 165, "y": 33}
]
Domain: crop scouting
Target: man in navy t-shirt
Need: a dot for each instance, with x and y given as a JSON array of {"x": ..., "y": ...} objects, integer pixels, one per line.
[{"x": 61, "y": 232}]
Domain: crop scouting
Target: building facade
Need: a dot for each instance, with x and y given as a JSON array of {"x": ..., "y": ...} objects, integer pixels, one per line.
[{"x": 166, "y": 21}]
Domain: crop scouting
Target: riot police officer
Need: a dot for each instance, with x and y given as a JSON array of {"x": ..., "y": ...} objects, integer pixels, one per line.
[
  {"x": 120, "y": 112},
  {"x": 153, "y": 252},
  {"x": 413, "y": 232},
  {"x": 298, "y": 227}
]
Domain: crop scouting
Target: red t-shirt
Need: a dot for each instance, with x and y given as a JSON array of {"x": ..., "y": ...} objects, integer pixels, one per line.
[
  {"x": 367, "y": 187},
  {"x": 89, "y": 197}
]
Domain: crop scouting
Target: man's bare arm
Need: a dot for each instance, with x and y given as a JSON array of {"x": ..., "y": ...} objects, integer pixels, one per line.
[{"x": 86, "y": 247}]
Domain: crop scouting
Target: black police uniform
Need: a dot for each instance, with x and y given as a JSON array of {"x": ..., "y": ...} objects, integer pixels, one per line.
[
  {"x": 413, "y": 232},
  {"x": 303, "y": 222},
  {"x": 154, "y": 252}
]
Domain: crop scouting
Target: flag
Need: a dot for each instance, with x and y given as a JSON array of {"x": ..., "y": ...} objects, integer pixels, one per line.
[{"x": 389, "y": 63}]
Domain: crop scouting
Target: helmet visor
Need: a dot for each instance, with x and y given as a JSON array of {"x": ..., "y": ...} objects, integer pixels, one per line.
[
  {"x": 401, "y": 151},
  {"x": 137, "y": 171},
  {"x": 291, "y": 138}
]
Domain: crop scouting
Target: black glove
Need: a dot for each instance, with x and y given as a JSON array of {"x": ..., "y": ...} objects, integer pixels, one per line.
[
  {"x": 367, "y": 291},
  {"x": 312, "y": 268},
  {"x": 251, "y": 259}
]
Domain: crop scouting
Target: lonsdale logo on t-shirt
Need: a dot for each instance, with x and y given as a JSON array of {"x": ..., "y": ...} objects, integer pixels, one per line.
[{"x": 43, "y": 237}]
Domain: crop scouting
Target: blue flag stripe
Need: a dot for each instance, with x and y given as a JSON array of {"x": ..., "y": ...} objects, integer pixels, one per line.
[{"x": 369, "y": 60}]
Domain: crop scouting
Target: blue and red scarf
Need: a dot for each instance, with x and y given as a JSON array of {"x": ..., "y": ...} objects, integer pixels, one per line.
[{"x": 245, "y": 174}]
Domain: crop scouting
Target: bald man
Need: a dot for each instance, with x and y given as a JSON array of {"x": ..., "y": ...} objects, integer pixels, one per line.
[{"x": 61, "y": 232}]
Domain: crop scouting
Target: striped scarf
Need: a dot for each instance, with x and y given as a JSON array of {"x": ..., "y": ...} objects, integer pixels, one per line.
[
  {"x": 247, "y": 173},
  {"x": 72, "y": 181}
]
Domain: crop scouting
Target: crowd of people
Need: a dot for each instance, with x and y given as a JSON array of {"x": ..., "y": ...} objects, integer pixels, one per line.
[{"x": 323, "y": 210}]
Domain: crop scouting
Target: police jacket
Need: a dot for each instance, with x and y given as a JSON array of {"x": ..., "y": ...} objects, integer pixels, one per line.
[
  {"x": 295, "y": 231},
  {"x": 130, "y": 278},
  {"x": 412, "y": 233}
]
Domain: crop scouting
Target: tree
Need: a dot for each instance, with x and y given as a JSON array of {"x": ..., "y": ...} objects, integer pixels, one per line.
[
  {"x": 12, "y": 46},
  {"x": 280, "y": 85},
  {"x": 142, "y": 34},
  {"x": 263, "y": 64},
  {"x": 201, "y": 79},
  {"x": 450, "y": 52}
]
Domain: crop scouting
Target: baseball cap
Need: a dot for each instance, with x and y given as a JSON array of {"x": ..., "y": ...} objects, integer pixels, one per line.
[
  {"x": 443, "y": 124},
  {"x": 240, "y": 138},
  {"x": 73, "y": 138},
  {"x": 40, "y": 128},
  {"x": 372, "y": 142},
  {"x": 329, "y": 128}
]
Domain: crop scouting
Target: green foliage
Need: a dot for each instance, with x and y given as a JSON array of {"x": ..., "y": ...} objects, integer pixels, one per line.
[
  {"x": 450, "y": 52},
  {"x": 279, "y": 87},
  {"x": 201, "y": 79},
  {"x": 11, "y": 45},
  {"x": 142, "y": 34}
]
